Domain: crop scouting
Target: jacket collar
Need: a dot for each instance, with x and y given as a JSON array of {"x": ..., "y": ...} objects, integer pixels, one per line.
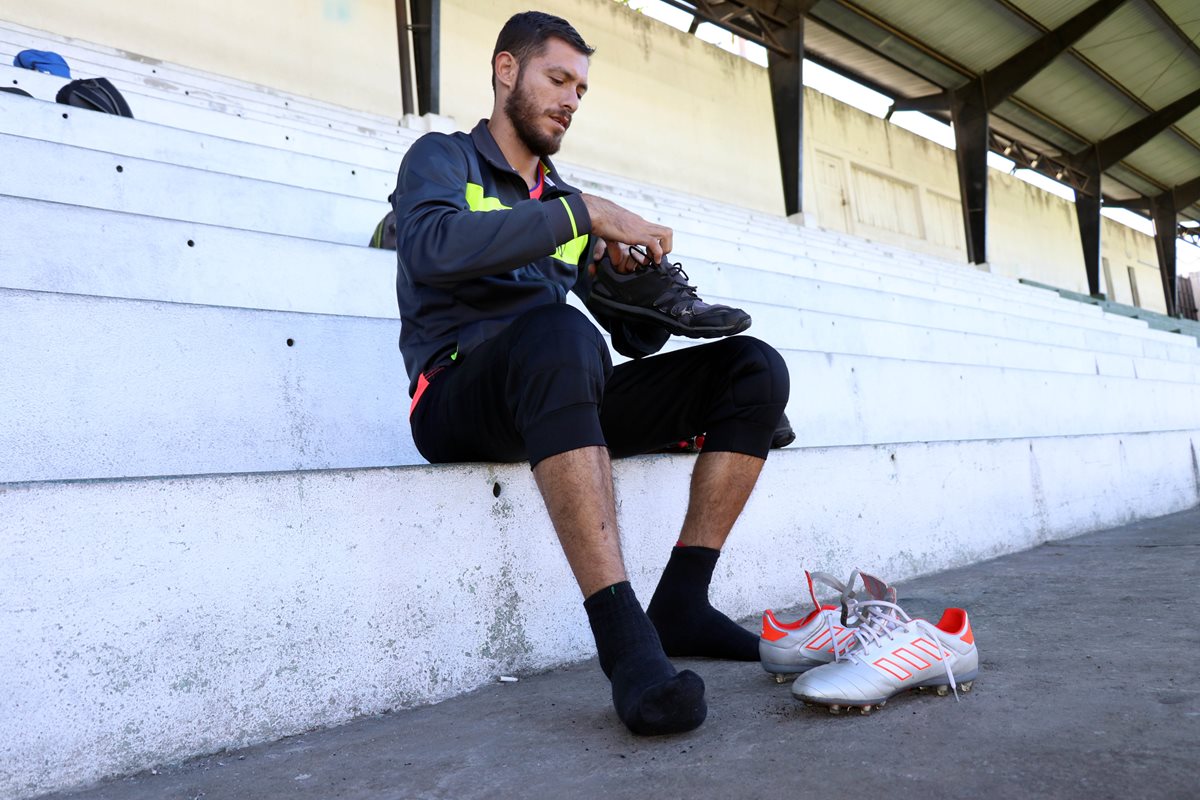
[{"x": 487, "y": 147}]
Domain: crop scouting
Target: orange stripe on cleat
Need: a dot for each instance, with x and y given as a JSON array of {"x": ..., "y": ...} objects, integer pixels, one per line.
[
  {"x": 969, "y": 635},
  {"x": 769, "y": 630}
]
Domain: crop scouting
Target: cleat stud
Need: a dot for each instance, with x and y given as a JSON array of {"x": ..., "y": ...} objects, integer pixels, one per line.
[
  {"x": 835, "y": 709},
  {"x": 881, "y": 704},
  {"x": 865, "y": 710},
  {"x": 966, "y": 686},
  {"x": 780, "y": 678},
  {"x": 942, "y": 691}
]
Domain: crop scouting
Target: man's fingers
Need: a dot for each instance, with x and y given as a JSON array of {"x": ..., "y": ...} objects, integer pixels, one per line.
[
  {"x": 666, "y": 241},
  {"x": 615, "y": 256}
]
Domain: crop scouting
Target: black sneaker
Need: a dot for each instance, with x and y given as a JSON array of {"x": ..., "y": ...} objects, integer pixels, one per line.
[{"x": 660, "y": 293}]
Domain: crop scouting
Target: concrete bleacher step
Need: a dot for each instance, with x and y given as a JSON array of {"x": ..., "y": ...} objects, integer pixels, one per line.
[
  {"x": 145, "y": 101},
  {"x": 162, "y": 143},
  {"x": 65, "y": 174},
  {"x": 1155, "y": 320},
  {"x": 151, "y": 388},
  {"x": 297, "y": 220},
  {"x": 211, "y": 122},
  {"x": 261, "y": 271},
  {"x": 378, "y": 182}
]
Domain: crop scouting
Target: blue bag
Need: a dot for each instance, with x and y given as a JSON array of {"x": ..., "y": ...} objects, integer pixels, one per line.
[{"x": 42, "y": 61}]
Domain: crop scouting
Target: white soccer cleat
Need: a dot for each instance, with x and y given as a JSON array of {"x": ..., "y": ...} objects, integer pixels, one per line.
[
  {"x": 891, "y": 653},
  {"x": 787, "y": 648}
]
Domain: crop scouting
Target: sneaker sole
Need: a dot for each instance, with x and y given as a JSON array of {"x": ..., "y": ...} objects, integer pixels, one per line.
[
  {"x": 670, "y": 323},
  {"x": 779, "y": 668},
  {"x": 965, "y": 684}
]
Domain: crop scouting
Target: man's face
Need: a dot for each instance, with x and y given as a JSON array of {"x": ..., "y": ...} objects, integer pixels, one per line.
[{"x": 546, "y": 96}]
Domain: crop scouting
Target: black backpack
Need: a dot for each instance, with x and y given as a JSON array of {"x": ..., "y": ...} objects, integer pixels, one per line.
[
  {"x": 384, "y": 236},
  {"x": 96, "y": 94}
]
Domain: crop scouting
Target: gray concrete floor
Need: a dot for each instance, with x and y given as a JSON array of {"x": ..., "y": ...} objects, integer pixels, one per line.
[{"x": 1089, "y": 687}]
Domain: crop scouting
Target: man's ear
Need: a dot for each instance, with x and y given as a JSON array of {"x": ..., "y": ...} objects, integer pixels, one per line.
[{"x": 506, "y": 67}]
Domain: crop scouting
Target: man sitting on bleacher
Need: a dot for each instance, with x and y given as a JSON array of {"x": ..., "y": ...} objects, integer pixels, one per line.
[{"x": 490, "y": 239}]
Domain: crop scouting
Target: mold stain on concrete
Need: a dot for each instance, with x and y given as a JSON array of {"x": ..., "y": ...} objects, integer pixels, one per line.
[
  {"x": 1195, "y": 468},
  {"x": 506, "y": 641},
  {"x": 1039, "y": 495}
]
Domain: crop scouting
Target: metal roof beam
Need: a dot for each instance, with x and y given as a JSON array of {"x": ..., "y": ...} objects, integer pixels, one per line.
[
  {"x": 998, "y": 84},
  {"x": 758, "y": 21},
  {"x": 1019, "y": 68},
  {"x": 1174, "y": 26},
  {"x": 1112, "y": 149},
  {"x": 1187, "y": 193}
]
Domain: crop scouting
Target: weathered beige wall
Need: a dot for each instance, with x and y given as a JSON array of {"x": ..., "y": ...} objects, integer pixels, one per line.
[
  {"x": 871, "y": 178},
  {"x": 662, "y": 106},
  {"x": 339, "y": 51}
]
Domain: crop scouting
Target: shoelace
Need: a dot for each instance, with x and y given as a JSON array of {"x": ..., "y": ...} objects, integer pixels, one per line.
[
  {"x": 850, "y": 606},
  {"x": 880, "y": 620},
  {"x": 673, "y": 270}
]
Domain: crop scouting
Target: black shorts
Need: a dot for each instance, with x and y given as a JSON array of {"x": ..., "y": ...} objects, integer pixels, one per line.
[{"x": 546, "y": 385}]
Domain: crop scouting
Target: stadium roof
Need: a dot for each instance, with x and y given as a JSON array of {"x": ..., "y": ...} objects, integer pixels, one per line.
[{"x": 1059, "y": 96}]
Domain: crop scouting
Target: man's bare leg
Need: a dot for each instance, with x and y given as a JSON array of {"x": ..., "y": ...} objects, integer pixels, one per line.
[
  {"x": 577, "y": 488},
  {"x": 649, "y": 695},
  {"x": 687, "y": 624},
  {"x": 721, "y": 485}
]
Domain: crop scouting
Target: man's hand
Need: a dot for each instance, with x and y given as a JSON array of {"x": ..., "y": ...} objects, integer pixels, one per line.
[{"x": 618, "y": 226}]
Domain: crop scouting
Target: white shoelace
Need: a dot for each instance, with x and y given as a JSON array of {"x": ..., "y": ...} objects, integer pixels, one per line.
[{"x": 880, "y": 619}]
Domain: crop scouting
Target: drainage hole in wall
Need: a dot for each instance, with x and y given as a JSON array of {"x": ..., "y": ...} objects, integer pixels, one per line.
[
  {"x": 291, "y": 342},
  {"x": 495, "y": 490}
]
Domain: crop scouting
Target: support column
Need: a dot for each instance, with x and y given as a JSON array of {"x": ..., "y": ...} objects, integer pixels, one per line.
[
  {"x": 1162, "y": 208},
  {"x": 426, "y": 28},
  {"x": 787, "y": 99},
  {"x": 403, "y": 40},
  {"x": 1087, "y": 212},
  {"x": 968, "y": 112}
]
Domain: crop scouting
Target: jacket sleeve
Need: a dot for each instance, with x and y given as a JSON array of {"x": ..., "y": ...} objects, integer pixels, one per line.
[
  {"x": 440, "y": 240},
  {"x": 630, "y": 338}
]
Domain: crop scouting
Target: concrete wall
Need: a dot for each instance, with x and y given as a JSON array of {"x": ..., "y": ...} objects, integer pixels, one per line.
[
  {"x": 341, "y": 51},
  {"x": 868, "y": 177},
  {"x": 662, "y": 106},
  {"x": 221, "y": 611}
]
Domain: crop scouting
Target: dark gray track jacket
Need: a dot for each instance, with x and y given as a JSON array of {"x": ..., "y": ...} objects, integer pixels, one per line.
[{"x": 474, "y": 251}]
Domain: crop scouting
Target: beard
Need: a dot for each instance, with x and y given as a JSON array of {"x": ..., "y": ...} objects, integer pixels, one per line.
[{"x": 522, "y": 111}]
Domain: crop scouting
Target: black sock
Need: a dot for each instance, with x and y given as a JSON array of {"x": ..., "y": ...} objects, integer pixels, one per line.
[
  {"x": 687, "y": 625},
  {"x": 649, "y": 695}
]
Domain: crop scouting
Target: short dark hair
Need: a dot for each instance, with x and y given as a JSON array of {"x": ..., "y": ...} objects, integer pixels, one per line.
[{"x": 525, "y": 36}]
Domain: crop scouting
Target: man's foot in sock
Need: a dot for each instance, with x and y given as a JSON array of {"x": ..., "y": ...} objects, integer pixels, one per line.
[
  {"x": 653, "y": 699},
  {"x": 650, "y": 697},
  {"x": 687, "y": 624}
]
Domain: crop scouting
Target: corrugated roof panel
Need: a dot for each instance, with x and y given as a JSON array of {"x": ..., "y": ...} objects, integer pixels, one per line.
[
  {"x": 1052, "y": 13},
  {"x": 954, "y": 28},
  {"x": 1190, "y": 125},
  {"x": 1166, "y": 159},
  {"x": 825, "y": 43},
  {"x": 1075, "y": 96},
  {"x": 1040, "y": 124},
  {"x": 1137, "y": 48}
]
